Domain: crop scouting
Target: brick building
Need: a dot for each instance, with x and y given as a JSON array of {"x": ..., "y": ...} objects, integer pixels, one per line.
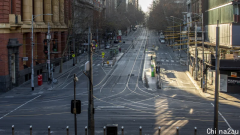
[{"x": 15, "y": 36}]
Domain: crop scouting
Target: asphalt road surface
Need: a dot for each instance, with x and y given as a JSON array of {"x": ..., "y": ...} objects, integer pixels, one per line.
[{"x": 120, "y": 98}]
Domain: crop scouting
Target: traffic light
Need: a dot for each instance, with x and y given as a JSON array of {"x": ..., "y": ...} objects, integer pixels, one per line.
[
  {"x": 55, "y": 45},
  {"x": 45, "y": 46},
  {"x": 78, "y": 106}
]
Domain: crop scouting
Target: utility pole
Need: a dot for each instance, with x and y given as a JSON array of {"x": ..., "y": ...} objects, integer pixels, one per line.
[
  {"x": 180, "y": 40},
  {"x": 188, "y": 47},
  {"x": 173, "y": 31},
  {"x": 203, "y": 61},
  {"x": 74, "y": 51},
  {"x": 48, "y": 43},
  {"x": 97, "y": 40},
  {"x": 216, "y": 81},
  {"x": 91, "y": 127},
  {"x": 196, "y": 56},
  {"x": 32, "y": 77}
]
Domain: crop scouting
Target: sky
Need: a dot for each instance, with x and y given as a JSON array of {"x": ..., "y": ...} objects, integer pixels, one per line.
[{"x": 145, "y": 4}]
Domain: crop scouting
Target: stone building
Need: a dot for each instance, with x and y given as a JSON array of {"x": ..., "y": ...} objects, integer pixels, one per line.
[{"x": 15, "y": 36}]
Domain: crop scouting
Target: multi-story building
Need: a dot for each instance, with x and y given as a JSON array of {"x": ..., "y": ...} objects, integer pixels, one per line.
[
  {"x": 227, "y": 13},
  {"x": 15, "y": 36}
]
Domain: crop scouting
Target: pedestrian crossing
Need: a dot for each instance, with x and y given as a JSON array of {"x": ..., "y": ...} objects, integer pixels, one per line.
[{"x": 171, "y": 61}]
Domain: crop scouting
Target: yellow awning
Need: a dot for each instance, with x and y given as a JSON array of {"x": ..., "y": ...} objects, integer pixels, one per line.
[
  {"x": 171, "y": 37},
  {"x": 191, "y": 43}
]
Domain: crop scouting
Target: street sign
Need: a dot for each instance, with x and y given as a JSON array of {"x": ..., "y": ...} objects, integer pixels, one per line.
[
  {"x": 48, "y": 61},
  {"x": 103, "y": 53},
  {"x": 73, "y": 55}
]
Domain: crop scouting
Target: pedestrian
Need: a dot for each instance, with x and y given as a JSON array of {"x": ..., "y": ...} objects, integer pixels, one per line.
[{"x": 120, "y": 50}]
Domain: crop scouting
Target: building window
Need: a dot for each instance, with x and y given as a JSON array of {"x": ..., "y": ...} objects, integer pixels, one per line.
[{"x": 236, "y": 9}]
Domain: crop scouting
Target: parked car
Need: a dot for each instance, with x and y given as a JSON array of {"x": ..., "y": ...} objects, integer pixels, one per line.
[
  {"x": 134, "y": 29},
  {"x": 107, "y": 46},
  {"x": 162, "y": 41}
]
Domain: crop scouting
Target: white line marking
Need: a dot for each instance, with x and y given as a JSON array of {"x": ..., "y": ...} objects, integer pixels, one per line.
[
  {"x": 172, "y": 60},
  {"x": 167, "y": 60},
  {"x": 162, "y": 60},
  {"x": 223, "y": 118},
  {"x": 19, "y": 107}
]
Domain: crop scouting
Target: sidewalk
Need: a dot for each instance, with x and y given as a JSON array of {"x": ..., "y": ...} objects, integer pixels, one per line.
[
  {"x": 25, "y": 88},
  {"x": 210, "y": 93}
]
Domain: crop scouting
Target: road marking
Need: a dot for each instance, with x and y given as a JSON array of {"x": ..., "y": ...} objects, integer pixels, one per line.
[
  {"x": 223, "y": 118},
  {"x": 165, "y": 53},
  {"x": 162, "y": 60},
  {"x": 110, "y": 107},
  {"x": 9, "y": 96},
  {"x": 98, "y": 64},
  {"x": 172, "y": 60},
  {"x": 167, "y": 60},
  {"x": 19, "y": 107}
]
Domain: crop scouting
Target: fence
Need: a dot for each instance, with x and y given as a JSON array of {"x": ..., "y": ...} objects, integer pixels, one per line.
[{"x": 105, "y": 130}]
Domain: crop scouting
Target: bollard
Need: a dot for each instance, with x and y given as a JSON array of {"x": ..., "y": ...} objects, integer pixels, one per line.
[
  {"x": 30, "y": 129},
  {"x": 140, "y": 130},
  {"x": 177, "y": 131},
  {"x": 49, "y": 130},
  {"x": 195, "y": 131},
  {"x": 67, "y": 128},
  {"x": 122, "y": 130},
  {"x": 104, "y": 130},
  {"x": 159, "y": 130},
  {"x": 86, "y": 130},
  {"x": 12, "y": 129}
]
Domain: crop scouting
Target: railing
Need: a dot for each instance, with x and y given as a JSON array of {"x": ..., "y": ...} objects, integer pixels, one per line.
[{"x": 105, "y": 130}]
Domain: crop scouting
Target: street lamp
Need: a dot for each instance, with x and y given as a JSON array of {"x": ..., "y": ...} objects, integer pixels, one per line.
[
  {"x": 180, "y": 33},
  {"x": 32, "y": 76}
]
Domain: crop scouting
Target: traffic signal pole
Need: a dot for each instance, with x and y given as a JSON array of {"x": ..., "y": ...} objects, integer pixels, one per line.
[
  {"x": 75, "y": 110},
  {"x": 215, "y": 124},
  {"x": 74, "y": 51},
  {"x": 48, "y": 44},
  {"x": 91, "y": 127}
]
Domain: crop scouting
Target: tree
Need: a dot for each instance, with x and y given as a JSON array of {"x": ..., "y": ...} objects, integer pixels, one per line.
[{"x": 165, "y": 8}]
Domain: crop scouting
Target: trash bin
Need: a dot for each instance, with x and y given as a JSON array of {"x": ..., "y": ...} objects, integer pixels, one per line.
[
  {"x": 112, "y": 129},
  {"x": 45, "y": 76}
]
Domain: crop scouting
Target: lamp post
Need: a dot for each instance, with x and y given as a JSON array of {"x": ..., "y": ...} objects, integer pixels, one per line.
[
  {"x": 173, "y": 30},
  {"x": 32, "y": 76},
  {"x": 180, "y": 32}
]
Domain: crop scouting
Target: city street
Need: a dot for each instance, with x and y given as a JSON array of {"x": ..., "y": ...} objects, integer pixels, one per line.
[{"x": 120, "y": 97}]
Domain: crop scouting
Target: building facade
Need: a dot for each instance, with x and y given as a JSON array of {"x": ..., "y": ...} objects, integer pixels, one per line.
[
  {"x": 15, "y": 37},
  {"x": 227, "y": 13}
]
